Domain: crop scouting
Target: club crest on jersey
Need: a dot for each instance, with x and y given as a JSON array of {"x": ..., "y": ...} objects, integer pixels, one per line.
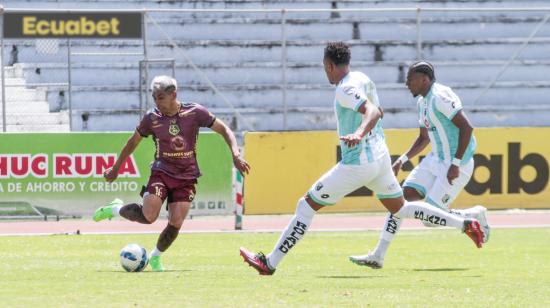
[
  {"x": 174, "y": 129},
  {"x": 445, "y": 198},
  {"x": 319, "y": 186}
]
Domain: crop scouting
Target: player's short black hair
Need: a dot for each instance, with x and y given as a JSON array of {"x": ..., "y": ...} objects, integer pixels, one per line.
[
  {"x": 338, "y": 52},
  {"x": 423, "y": 67}
]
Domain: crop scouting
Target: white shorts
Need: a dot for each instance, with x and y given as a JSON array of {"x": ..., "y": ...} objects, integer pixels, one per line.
[
  {"x": 429, "y": 179},
  {"x": 344, "y": 179}
]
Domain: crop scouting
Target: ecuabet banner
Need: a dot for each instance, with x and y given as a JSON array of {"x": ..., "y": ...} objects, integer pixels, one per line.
[
  {"x": 64, "y": 171},
  {"x": 511, "y": 169},
  {"x": 40, "y": 24}
]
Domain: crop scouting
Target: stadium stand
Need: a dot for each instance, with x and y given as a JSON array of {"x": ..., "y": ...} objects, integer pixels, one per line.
[
  {"x": 241, "y": 53},
  {"x": 27, "y": 107}
]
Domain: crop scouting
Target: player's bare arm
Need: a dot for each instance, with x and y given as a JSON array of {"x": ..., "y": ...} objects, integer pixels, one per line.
[
  {"x": 419, "y": 144},
  {"x": 465, "y": 134},
  {"x": 112, "y": 173},
  {"x": 222, "y": 129},
  {"x": 371, "y": 115}
]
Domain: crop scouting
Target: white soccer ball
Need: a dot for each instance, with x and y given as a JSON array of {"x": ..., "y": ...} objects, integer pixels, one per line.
[{"x": 133, "y": 258}]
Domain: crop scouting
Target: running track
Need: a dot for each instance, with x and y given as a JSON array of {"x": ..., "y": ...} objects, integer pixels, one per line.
[{"x": 256, "y": 223}]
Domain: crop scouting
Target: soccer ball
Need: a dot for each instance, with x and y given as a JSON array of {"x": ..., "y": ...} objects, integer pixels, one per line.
[{"x": 133, "y": 258}]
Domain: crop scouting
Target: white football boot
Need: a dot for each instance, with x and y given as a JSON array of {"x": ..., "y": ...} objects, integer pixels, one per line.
[{"x": 369, "y": 260}]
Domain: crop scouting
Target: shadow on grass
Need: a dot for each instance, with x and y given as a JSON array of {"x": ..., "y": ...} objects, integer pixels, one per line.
[
  {"x": 350, "y": 277},
  {"x": 147, "y": 272},
  {"x": 440, "y": 269}
]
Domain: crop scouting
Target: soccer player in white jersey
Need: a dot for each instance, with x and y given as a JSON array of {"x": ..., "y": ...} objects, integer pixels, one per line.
[
  {"x": 442, "y": 175},
  {"x": 365, "y": 162}
]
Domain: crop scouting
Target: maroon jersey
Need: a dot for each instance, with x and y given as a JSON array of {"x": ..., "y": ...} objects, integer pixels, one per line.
[{"x": 175, "y": 138}]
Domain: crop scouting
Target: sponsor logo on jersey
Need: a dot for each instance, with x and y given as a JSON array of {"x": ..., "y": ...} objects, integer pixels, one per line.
[
  {"x": 177, "y": 143},
  {"x": 351, "y": 91},
  {"x": 187, "y": 154},
  {"x": 155, "y": 124}
]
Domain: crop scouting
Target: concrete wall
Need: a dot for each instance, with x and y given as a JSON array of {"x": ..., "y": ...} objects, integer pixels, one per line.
[{"x": 241, "y": 54}]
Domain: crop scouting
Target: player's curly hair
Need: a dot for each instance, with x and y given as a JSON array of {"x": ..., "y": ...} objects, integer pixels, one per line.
[{"x": 338, "y": 52}]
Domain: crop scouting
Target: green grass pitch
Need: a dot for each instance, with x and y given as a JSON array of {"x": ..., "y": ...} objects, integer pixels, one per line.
[{"x": 423, "y": 268}]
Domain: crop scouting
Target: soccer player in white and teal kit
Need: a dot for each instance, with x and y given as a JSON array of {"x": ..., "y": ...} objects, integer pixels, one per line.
[
  {"x": 441, "y": 175},
  {"x": 365, "y": 162}
]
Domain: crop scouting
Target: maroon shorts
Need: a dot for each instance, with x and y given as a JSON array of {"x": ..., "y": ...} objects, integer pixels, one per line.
[{"x": 165, "y": 186}]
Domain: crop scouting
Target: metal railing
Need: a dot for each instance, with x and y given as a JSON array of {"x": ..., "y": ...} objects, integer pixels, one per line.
[{"x": 284, "y": 13}]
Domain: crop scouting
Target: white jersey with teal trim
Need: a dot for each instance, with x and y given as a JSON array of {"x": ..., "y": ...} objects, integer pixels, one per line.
[
  {"x": 354, "y": 89},
  {"x": 436, "y": 112}
]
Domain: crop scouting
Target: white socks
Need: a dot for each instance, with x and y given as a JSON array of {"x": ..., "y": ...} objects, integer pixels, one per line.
[
  {"x": 301, "y": 221},
  {"x": 391, "y": 226},
  {"x": 116, "y": 210},
  {"x": 155, "y": 252},
  {"x": 392, "y": 223},
  {"x": 469, "y": 212},
  {"x": 428, "y": 213},
  {"x": 293, "y": 233}
]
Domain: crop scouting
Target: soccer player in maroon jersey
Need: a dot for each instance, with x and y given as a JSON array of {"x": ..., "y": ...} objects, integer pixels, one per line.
[{"x": 174, "y": 126}]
